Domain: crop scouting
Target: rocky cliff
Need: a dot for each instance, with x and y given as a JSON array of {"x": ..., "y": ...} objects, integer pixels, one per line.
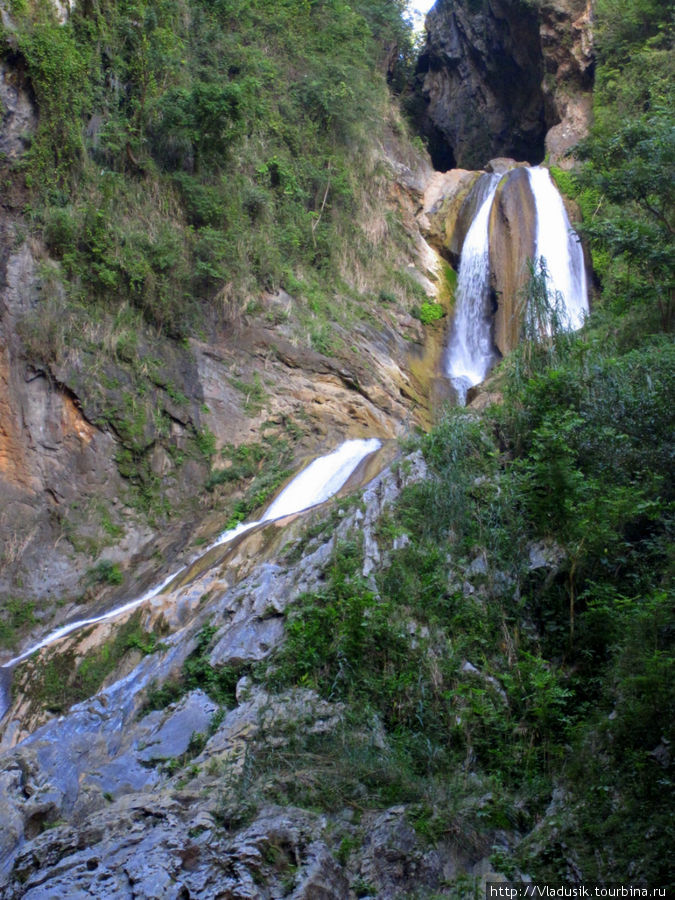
[
  {"x": 130, "y": 797},
  {"x": 121, "y": 441},
  {"x": 506, "y": 78}
]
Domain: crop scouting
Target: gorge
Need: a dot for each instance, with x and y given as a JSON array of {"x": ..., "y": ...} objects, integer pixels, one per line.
[{"x": 336, "y": 527}]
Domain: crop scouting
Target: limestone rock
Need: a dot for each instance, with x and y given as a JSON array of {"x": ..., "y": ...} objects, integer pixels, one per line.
[
  {"x": 394, "y": 860},
  {"x": 18, "y": 115},
  {"x": 192, "y": 716},
  {"x": 322, "y": 879}
]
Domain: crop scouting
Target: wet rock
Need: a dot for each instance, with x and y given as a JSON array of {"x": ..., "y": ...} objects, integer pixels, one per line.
[
  {"x": 512, "y": 242},
  {"x": 130, "y": 825},
  {"x": 442, "y": 202},
  {"x": 172, "y": 738}
]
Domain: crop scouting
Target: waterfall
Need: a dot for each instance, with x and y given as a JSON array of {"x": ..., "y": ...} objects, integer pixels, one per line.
[
  {"x": 558, "y": 244},
  {"x": 470, "y": 352},
  {"x": 315, "y": 484}
]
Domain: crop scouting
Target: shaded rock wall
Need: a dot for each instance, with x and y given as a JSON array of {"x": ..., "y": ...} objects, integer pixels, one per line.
[
  {"x": 505, "y": 78},
  {"x": 482, "y": 71}
]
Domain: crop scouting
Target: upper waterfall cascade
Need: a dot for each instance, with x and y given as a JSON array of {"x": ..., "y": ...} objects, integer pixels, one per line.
[
  {"x": 471, "y": 352},
  {"x": 316, "y": 483}
]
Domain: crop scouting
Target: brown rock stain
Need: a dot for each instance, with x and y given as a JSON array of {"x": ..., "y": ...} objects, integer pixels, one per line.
[{"x": 73, "y": 422}]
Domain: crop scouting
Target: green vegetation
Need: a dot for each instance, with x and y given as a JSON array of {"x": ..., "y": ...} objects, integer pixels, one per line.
[
  {"x": 16, "y": 616},
  {"x": 536, "y": 675},
  {"x": 256, "y": 470},
  {"x": 428, "y": 313},
  {"x": 105, "y": 572},
  {"x": 190, "y": 159},
  {"x": 189, "y": 155},
  {"x": 198, "y": 673},
  {"x": 519, "y": 642},
  {"x": 626, "y": 186},
  {"x": 522, "y": 638}
]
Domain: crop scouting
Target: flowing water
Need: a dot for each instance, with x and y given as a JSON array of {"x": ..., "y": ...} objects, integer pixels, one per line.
[
  {"x": 558, "y": 244},
  {"x": 315, "y": 484},
  {"x": 470, "y": 352}
]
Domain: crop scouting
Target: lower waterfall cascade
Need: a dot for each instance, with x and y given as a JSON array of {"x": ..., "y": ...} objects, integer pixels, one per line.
[
  {"x": 313, "y": 485},
  {"x": 470, "y": 351}
]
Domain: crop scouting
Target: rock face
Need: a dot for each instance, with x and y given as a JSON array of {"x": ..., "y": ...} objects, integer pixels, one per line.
[
  {"x": 512, "y": 242},
  {"x": 482, "y": 70},
  {"x": 16, "y": 109},
  {"x": 567, "y": 46},
  {"x": 506, "y": 78},
  {"x": 105, "y": 802}
]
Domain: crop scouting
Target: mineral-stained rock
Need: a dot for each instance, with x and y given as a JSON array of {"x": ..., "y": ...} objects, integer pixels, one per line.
[{"x": 512, "y": 241}]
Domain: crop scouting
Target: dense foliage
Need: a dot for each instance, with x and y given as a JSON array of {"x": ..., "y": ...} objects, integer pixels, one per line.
[
  {"x": 519, "y": 638},
  {"x": 190, "y": 154},
  {"x": 190, "y": 160},
  {"x": 631, "y": 155}
]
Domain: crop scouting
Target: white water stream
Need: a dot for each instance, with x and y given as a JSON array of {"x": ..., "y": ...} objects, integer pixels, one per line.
[
  {"x": 315, "y": 484},
  {"x": 470, "y": 353},
  {"x": 558, "y": 244}
]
